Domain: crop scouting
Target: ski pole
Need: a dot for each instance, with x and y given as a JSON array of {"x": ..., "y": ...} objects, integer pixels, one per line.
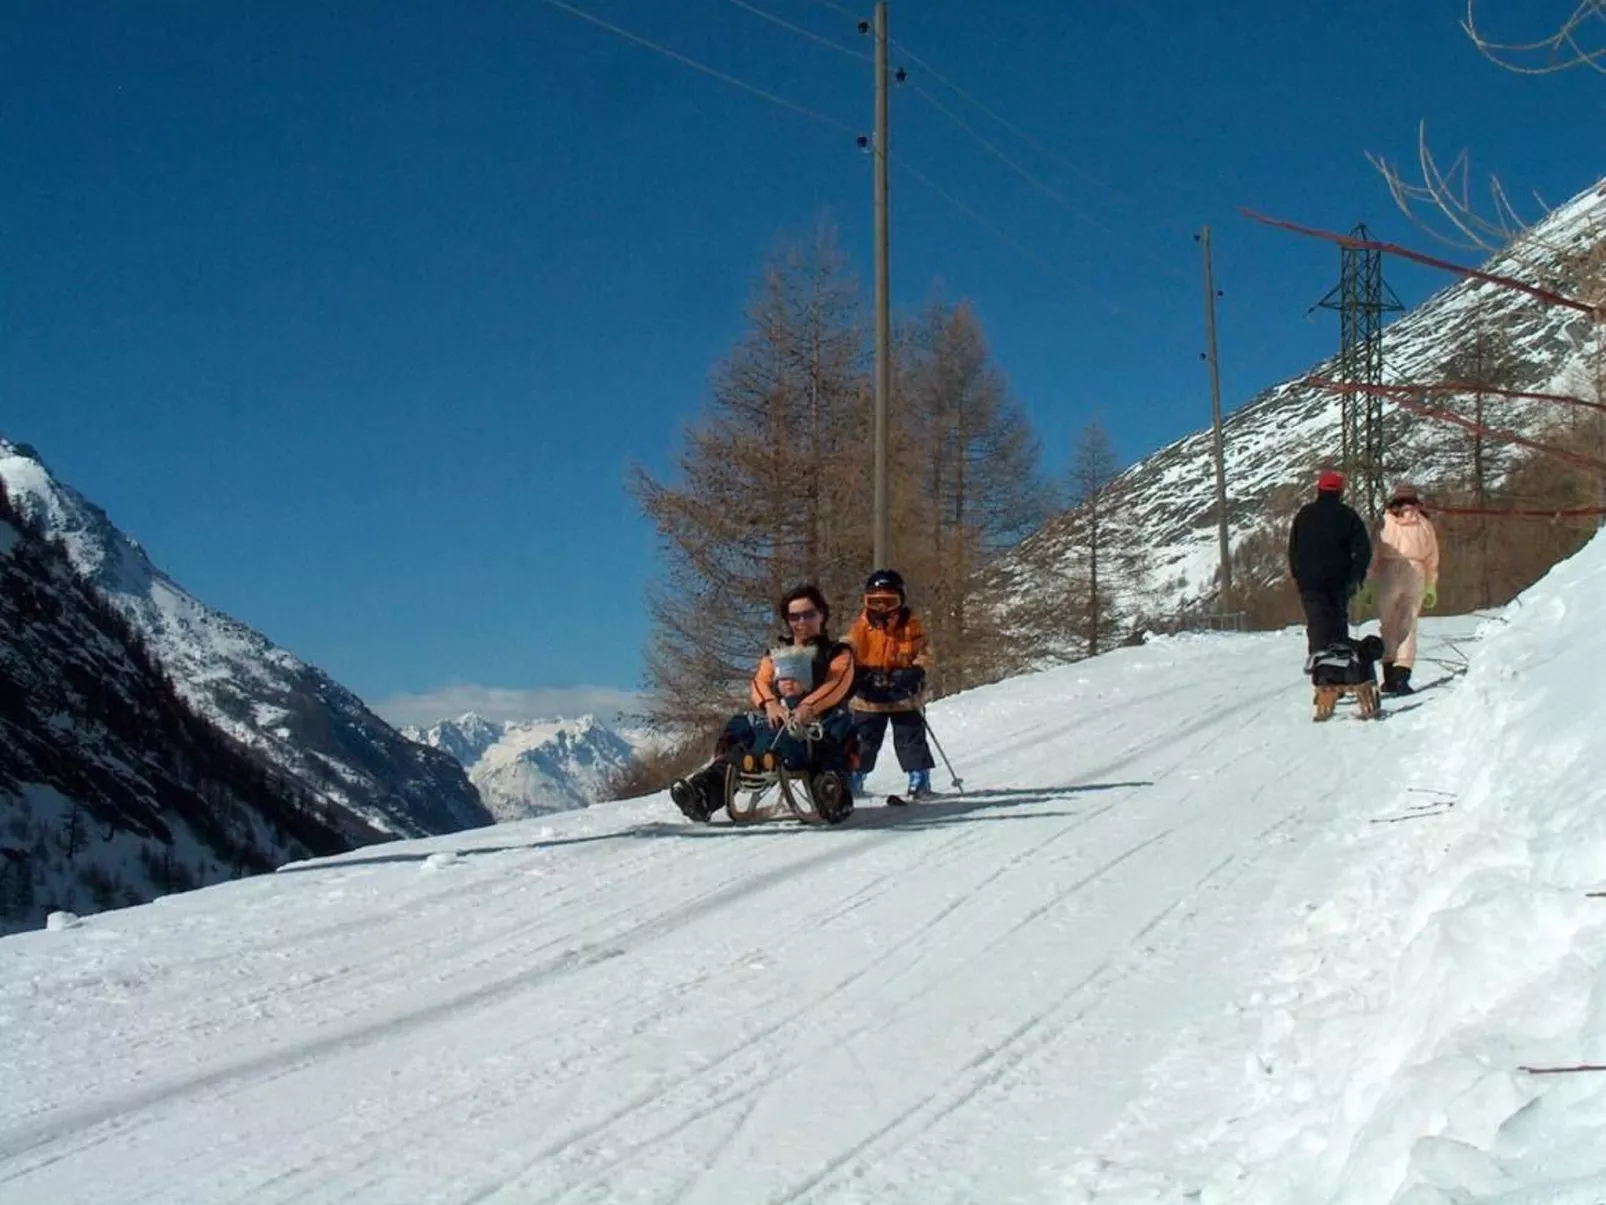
[{"x": 958, "y": 782}]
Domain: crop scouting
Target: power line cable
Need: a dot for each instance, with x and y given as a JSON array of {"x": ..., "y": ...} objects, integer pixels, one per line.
[
  {"x": 835, "y": 7},
  {"x": 970, "y": 99},
  {"x": 1035, "y": 144},
  {"x": 1059, "y": 157},
  {"x": 991, "y": 147},
  {"x": 688, "y": 61},
  {"x": 801, "y": 32},
  {"x": 825, "y": 119},
  {"x": 1133, "y": 317},
  {"x": 1048, "y": 190},
  {"x": 909, "y": 169}
]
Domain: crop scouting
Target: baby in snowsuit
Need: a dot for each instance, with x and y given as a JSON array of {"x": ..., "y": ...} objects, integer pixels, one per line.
[{"x": 1405, "y": 573}]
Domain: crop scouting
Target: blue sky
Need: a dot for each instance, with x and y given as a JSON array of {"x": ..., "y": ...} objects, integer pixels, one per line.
[{"x": 357, "y": 314}]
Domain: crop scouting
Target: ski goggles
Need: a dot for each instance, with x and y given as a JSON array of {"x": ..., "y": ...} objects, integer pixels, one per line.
[{"x": 882, "y": 602}]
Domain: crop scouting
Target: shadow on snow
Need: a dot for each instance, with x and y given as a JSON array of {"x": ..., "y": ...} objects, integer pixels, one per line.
[{"x": 944, "y": 809}]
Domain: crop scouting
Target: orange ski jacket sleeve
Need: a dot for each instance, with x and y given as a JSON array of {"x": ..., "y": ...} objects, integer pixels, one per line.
[
  {"x": 762, "y": 688},
  {"x": 838, "y": 684}
]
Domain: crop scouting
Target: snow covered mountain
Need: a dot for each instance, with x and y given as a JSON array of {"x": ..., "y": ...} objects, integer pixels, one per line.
[
  {"x": 301, "y": 722},
  {"x": 1277, "y": 438},
  {"x": 1173, "y": 944},
  {"x": 525, "y": 768},
  {"x": 112, "y": 790}
]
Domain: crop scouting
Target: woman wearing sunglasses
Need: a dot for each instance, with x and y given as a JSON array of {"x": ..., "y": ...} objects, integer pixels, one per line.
[
  {"x": 806, "y": 678},
  {"x": 1405, "y": 576}
]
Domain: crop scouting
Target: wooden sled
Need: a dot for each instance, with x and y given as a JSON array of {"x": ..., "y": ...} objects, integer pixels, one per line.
[
  {"x": 790, "y": 792},
  {"x": 1365, "y": 693},
  {"x": 762, "y": 776}
]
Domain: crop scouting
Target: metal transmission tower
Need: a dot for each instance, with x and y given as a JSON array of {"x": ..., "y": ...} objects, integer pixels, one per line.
[{"x": 1361, "y": 299}]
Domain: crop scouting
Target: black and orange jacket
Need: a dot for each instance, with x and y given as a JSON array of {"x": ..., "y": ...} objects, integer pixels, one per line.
[
  {"x": 831, "y": 686},
  {"x": 900, "y": 643}
]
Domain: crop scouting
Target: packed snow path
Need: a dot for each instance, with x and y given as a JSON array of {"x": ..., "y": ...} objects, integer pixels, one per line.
[{"x": 945, "y": 1003}]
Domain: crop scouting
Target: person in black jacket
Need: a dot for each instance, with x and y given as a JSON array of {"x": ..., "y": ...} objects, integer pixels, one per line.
[{"x": 1328, "y": 552}]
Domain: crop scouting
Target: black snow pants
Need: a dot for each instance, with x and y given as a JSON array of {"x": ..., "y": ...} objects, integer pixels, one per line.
[
  {"x": 1326, "y": 617},
  {"x": 908, "y": 738}
]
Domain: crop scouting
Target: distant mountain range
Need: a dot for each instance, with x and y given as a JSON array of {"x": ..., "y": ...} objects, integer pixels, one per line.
[
  {"x": 525, "y": 768},
  {"x": 301, "y": 724},
  {"x": 113, "y": 789}
]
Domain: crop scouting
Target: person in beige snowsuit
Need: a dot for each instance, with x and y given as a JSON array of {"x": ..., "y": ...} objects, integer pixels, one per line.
[{"x": 1405, "y": 576}]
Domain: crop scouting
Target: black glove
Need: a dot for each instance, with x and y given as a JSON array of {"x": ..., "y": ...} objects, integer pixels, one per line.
[
  {"x": 872, "y": 685},
  {"x": 907, "y": 682}
]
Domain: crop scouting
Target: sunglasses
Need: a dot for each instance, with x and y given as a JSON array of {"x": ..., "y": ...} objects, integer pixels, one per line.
[
  {"x": 1398, "y": 507},
  {"x": 802, "y": 616}
]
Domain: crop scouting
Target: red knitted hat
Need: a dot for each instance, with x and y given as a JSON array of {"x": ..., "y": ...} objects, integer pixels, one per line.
[{"x": 1330, "y": 482}]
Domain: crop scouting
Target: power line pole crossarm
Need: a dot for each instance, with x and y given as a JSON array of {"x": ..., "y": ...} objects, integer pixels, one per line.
[{"x": 1215, "y": 424}]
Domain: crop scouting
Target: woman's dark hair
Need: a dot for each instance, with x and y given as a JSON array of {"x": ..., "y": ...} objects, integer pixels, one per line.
[{"x": 811, "y": 592}]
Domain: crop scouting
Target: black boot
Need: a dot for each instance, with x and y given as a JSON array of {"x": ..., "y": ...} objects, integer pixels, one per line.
[
  {"x": 1402, "y": 680},
  {"x": 832, "y": 798},
  {"x": 1391, "y": 675},
  {"x": 701, "y": 795}
]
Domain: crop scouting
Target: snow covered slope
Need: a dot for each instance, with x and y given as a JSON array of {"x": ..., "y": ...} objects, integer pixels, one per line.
[
  {"x": 1278, "y": 437},
  {"x": 527, "y": 768},
  {"x": 1175, "y": 943},
  {"x": 299, "y": 720},
  {"x": 112, "y": 791}
]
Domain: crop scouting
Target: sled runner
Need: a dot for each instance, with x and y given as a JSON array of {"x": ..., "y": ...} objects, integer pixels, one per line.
[{"x": 1347, "y": 667}]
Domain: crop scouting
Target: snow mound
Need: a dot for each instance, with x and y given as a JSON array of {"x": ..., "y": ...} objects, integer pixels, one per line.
[{"x": 1419, "y": 1039}]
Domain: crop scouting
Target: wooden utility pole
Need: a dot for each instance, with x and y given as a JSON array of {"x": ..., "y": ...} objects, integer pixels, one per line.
[
  {"x": 1215, "y": 423},
  {"x": 883, "y": 311}
]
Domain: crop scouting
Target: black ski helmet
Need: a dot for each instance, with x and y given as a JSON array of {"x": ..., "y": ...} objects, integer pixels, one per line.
[{"x": 885, "y": 579}]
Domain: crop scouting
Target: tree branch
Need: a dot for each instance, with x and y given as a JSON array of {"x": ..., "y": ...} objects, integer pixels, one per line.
[{"x": 1573, "y": 44}]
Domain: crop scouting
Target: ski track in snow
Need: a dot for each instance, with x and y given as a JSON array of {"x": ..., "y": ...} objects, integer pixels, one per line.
[{"x": 947, "y": 1002}]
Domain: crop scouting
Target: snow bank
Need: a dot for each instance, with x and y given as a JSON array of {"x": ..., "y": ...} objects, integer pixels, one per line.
[{"x": 1464, "y": 945}]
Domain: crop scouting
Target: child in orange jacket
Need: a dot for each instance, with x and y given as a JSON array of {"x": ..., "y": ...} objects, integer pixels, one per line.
[{"x": 891, "y": 655}]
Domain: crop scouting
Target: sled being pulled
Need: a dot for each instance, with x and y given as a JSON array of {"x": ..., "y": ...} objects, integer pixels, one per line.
[{"x": 1346, "y": 667}]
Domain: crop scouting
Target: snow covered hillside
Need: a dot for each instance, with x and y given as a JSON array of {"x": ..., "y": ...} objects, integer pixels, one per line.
[
  {"x": 1276, "y": 438},
  {"x": 527, "y": 768},
  {"x": 112, "y": 791},
  {"x": 293, "y": 715},
  {"x": 1174, "y": 943}
]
